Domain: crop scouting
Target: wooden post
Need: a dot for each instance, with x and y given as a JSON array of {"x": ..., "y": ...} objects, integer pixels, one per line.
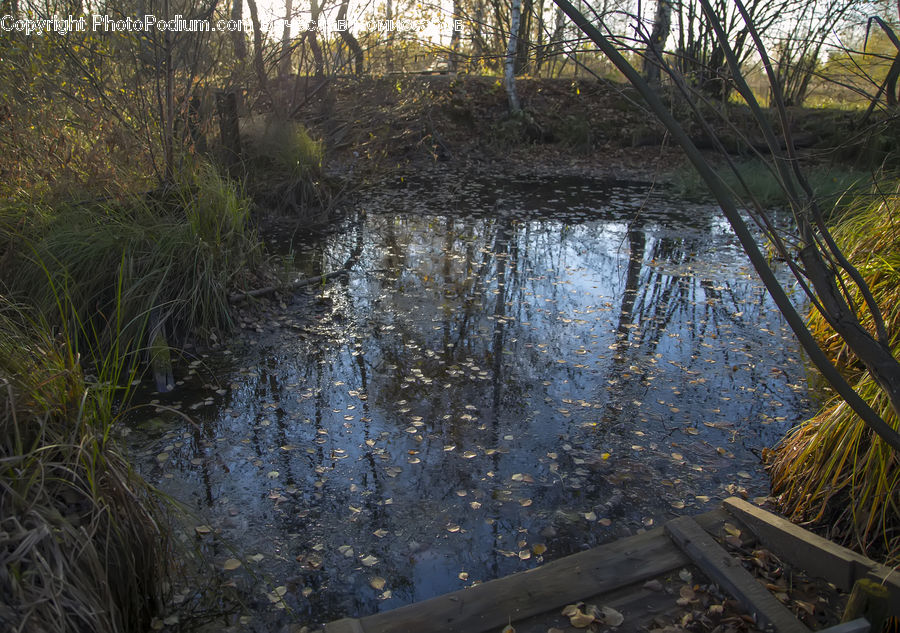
[{"x": 869, "y": 600}]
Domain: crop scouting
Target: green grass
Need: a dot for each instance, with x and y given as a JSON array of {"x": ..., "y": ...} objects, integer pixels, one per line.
[
  {"x": 832, "y": 469},
  {"x": 284, "y": 168},
  {"x": 830, "y": 183},
  {"x": 173, "y": 259}
]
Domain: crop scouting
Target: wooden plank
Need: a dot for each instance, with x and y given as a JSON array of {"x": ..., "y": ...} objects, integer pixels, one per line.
[
  {"x": 722, "y": 568},
  {"x": 345, "y": 625},
  {"x": 494, "y": 604},
  {"x": 812, "y": 553}
]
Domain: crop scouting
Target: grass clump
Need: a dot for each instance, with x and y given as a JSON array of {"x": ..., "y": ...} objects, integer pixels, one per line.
[
  {"x": 81, "y": 541},
  {"x": 168, "y": 263},
  {"x": 832, "y": 468},
  {"x": 284, "y": 167}
]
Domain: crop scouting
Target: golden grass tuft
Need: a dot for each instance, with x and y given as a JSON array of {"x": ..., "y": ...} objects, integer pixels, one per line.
[{"x": 832, "y": 469}]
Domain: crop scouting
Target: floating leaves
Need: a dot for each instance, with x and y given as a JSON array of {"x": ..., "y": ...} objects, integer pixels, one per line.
[
  {"x": 368, "y": 560},
  {"x": 231, "y": 564}
]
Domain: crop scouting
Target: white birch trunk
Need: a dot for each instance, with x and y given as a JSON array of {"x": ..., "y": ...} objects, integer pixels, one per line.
[{"x": 509, "y": 71}]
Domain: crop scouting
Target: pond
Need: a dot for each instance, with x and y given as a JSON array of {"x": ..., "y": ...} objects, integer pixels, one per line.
[{"x": 512, "y": 372}]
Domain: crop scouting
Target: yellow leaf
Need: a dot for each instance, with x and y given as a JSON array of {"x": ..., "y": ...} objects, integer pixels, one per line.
[{"x": 231, "y": 564}]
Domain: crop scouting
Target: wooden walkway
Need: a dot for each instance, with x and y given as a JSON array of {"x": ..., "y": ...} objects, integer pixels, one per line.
[{"x": 615, "y": 574}]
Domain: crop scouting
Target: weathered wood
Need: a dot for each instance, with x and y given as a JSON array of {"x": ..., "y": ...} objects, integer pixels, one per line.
[
  {"x": 346, "y": 625},
  {"x": 494, "y": 604},
  {"x": 868, "y": 600},
  {"x": 725, "y": 570},
  {"x": 814, "y": 554}
]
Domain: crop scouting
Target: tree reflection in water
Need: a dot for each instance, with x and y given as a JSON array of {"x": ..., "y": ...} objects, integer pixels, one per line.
[{"x": 554, "y": 365}]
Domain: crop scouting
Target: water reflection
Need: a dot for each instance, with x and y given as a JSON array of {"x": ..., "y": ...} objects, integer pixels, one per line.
[{"x": 507, "y": 377}]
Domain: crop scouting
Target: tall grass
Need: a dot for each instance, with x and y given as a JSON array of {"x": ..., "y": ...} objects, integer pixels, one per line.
[
  {"x": 173, "y": 260},
  {"x": 832, "y": 468},
  {"x": 284, "y": 167},
  {"x": 81, "y": 543}
]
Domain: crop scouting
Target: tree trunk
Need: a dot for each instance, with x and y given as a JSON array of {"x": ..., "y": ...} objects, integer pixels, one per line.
[
  {"x": 509, "y": 66},
  {"x": 312, "y": 36},
  {"x": 284, "y": 66},
  {"x": 662, "y": 22},
  {"x": 237, "y": 36},
  {"x": 169, "y": 140},
  {"x": 389, "y": 49},
  {"x": 257, "y": 46},
  {"x": 355, "y": 49},
  {"x": 523, "y": 38},
  {"x": 454, "y": 38},
  {"x": 229, "y": 131}
]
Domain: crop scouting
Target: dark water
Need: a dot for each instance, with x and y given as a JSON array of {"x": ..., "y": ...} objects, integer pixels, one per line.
[{"x": 509, "y": 375}]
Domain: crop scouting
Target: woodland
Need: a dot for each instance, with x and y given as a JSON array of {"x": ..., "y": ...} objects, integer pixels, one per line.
[{"x": 177, "y": 177}]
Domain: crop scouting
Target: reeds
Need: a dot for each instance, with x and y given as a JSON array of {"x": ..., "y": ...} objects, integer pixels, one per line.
[
  {"x": 81, "y": 544},
  {"x": 832, "y": 469}
]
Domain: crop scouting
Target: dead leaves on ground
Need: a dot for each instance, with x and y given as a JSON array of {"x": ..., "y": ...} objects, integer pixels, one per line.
[{"x": 590, "y": 617}]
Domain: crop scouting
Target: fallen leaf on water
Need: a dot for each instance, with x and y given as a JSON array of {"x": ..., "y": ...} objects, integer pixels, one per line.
[
  {"x": 231, "y": 564},
  {"x": 202, "y": 530},
  {"x": 469, "y": 454},
  {"x": 569, "y": 610},
  {"x": 380, "y": 533},
  {"x": 590, "y": 516},
  {"x": 377, "y": 583},
  {"x": 368, "y": 560},
  {"x": 538, "y": 549}
]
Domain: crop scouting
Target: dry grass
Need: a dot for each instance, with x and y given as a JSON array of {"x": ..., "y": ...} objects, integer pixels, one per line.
[
  {"x": 832, "y": 469},
  {"x": 81, "y": 543}
]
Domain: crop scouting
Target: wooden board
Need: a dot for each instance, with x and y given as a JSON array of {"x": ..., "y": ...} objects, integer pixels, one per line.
[
  {"x": 727, "y": 571},
  {"x": 492, "y": 605},
  {"x": 812, "y": 553}
]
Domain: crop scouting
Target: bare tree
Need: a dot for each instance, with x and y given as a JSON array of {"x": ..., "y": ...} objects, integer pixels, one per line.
[
  {"x": 662, "y": 24},
  {"x": 509, "y": 64},
  {"x": 349, "y": 39}
]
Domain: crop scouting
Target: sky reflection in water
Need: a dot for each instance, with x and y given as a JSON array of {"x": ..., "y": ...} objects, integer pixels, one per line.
[{"x": 504, "y": 379}]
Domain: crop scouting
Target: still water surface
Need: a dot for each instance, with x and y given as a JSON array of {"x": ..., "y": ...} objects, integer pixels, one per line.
[{"x": 509, "y": 375}]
